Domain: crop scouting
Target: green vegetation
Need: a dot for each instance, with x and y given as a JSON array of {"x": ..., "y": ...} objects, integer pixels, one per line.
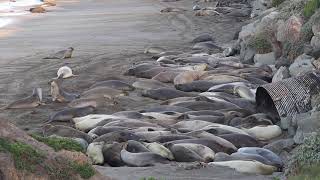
[
  {"x": 58, "y": 143},
  {"x": 85, "y": 170},
  {"x": 310, "y": 8},
  {"x": 292, "y": 50},
  {"x": 260, "y": 43},
  {"x": 276, "y": 3},
  {"x": 306, "y": 32},
  {"x": 307, "y": 173},
  {"x": 24, "y": 156}
]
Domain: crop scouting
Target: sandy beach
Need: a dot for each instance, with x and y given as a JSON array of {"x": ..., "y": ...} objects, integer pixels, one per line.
[{"x": 108, "y": 36}]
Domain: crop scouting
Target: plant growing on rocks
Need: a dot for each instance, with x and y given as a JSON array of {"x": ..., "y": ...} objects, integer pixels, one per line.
[
  {"x": 310, "y": 8},
  {"x": 306, "y": 157},
  {"x": 260, "y": 43},
  {"x": 59, "y": 143},
  {"x": 276, "y": 3}
]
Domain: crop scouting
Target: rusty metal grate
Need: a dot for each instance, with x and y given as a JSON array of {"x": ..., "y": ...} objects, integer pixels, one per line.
[{"x": 288, "y": 97}]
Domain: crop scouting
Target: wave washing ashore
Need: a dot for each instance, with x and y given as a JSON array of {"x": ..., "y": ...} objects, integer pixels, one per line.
[{"x": 11, "y": 10}]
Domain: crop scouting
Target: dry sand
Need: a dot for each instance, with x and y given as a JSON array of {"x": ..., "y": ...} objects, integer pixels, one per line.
[{"x": 108, "y": 36}]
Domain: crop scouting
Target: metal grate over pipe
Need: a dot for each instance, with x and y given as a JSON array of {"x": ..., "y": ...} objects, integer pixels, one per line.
[{"x": 289, "y": 96}]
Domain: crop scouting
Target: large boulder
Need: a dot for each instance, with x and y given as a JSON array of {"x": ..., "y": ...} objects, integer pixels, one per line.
[
  {"x": 302, "y": 64},
  {"x": 282, "y": 73},
  {"x": 265, "y": 59}
]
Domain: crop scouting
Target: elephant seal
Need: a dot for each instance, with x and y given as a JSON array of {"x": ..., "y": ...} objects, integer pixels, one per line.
[
  {"x": 208, "y": 45},
  {"x": 166, "y": 77},
  {"x": 167, "y": 138},
  {"x": 150, "y": 73},
  {"x": 102, "y": 92},
  {"x": 205, "y": 112},
  {"x": 63, "y": 54},
  {"x": 241, "y": 140},
  {"x": 269, "y": 155},
  {"x": 141, "y": 159},
  {"x": 165, "y": 115},
  {"x": 247, "y": 166},
  {"x": 165, "y": 108},
  {"x": 136, "y": 147},
  {"x": 203, "y": 105},
  {"x": 247, "y": 156},
  {"x": 159, "y": 149},
  {"x": 111, "y": 154},
  {"x": 224, "y": 79},
  {"x": 154, "y": 50},
  {"x": 208, "y": 118},
  {"x": 198, "y": 86},
  {"x": 171, "y": 9},
  {"x": 115, "y": 84},
  {"x": 216, "y": 146},
  {"x": 59, "y": 94},
  {"x": 117, "y": 136},
  {"x": 245, "y": 92},
  {"x": 149, "y": 135},
  {"x": 165, "y": 93},
  {"x": 94, "y": 102},
  {"x": 28, "y": 102},
  {"x": 148, "y": 84},
  {"x": 65, "y": 72},
  {"x": 203, "y": 38},
  {"x": 188, "y": 77},
  {"x": 140, "y": 68},
  {"x": 100, "y": 130},
  {"x": 65, "y": 131},
  {"x": 130, "y": 114},
  {"x": 183, "y": 154},
  {"x": 265, "y": 132},
  {"x": 37, "y": 9},
  {"x": 69, "y": 113},
  {"x": 86, "y": 123},
  {"x": 94, "y": 152},
  {"x": 206, "y": 154},
  {"x": 250, "y": 121}
]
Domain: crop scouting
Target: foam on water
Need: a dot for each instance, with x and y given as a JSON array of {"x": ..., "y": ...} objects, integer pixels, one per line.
[{"x": 5, "y": 21}]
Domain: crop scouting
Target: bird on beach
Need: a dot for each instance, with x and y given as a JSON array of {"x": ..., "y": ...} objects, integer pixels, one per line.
[{"x": 64, "y": 54}]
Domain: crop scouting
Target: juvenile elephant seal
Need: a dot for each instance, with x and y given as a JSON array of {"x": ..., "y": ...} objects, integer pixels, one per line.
[
  {"x": 99, "y": 131},
  {"x": 65, "y": 72},
  {"x": 245, "y": 92},
  {"x": 241, "y": 140},
  {"x": 216, "y": 146},
  {"x": 148, "y": 84},
  {"x": 171, "y": 9},
  {"x": 208, "y": 45},
  {"x": 167, "y": 138},
  {"x": 269, "y": 155},
  {"x": 130, "y": 114},
  {"x": 111, "y": 154},
  {"x": 64, "y": 54},
  {"x": 247, "y": 156},
  {"x": 250, "y": 121},
  {"x": 154, "y": 50},
  {"x": 94, "y": 152},
  {"x": 65, "y": 131},
  {"x": 93, "y": 102},
  {"x": 247, "y": 166},
  {"x": 150, "y": 73},
  {"x": 203, "y": 38},
  {"x": 183, "y": 154},
  {"x": 198, "y": 86},
  {"x": 28, "y": 102},
  {"x": 59, "y": 94},
  {"x": 115, "y": 84},
  {"x": 166, "y": 77},
  {"x": 205, "y": 112},
  {"x": 205, "y": 153},
  {"x": 117, "y": 136},
  {"x": 188, "y": 77},
  {"x": 141, "y": 159},
  {"x": 136, "y": 147},
  {"x": 86, "y": 123},
  {"x": 159, "y": 149},
  {"x": 165, "y": 93},
  {"x": 265, "y": 132},
  {"x": 37, "y": 9},
  {"x": 101, "y": 92},
  {"x": 203, "y": 105},
  {"x": 140, "y": 68},
  {"x": 69, "y": 113},
  {"x": 165, "y": 108}
]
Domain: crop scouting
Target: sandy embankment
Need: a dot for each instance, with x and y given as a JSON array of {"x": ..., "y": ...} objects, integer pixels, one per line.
[{"x": 107, "y": 36}]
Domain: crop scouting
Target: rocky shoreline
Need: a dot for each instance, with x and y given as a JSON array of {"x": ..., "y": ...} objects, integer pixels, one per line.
[{"x": 196, "y": 106}]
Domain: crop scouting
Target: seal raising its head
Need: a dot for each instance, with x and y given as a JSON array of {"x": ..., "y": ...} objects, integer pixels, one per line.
[{"x": 29, "y": 102}]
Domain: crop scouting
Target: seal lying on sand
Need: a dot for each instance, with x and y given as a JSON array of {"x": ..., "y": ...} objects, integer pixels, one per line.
[
  {"x": 64, "y": 54},
  {"x": 29, "y": 102},
  {"x": 115, "y": 84},
  {"x": 60, "y": 95},
  {"x": 164, "y": 93},
  {"x": 65, "y": 72},
  {"x": 68, "y": 114}
]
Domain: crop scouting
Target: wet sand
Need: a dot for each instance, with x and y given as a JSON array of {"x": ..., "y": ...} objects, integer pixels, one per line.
[{"x": 108, "y": 36}]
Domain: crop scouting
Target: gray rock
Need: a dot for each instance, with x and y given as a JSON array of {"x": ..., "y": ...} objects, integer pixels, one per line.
[
  {"x": 246, "y": 54},
  {"x": 316, "y": 29},
  {"x": 282, "y": 73},
  {"x": 280, "y": 146},
  {"x": 229, "y": 52},
  {"x": 267, "y": 59},
  {"x": 257, "y": 8},
  {"x": 302, "y": 64},
  {"x": 307, "y": 124},
  {"x": 315, "y": 42},
  {"x": 82, "y": 142}
]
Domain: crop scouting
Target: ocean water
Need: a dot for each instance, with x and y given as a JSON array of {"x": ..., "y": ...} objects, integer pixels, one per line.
[{"x": 10, "y": 10}]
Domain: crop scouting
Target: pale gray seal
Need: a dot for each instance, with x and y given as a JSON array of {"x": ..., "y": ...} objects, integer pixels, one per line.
[
  {"x": 115, "y": 84},
  {"x": 269, "y": 155},
  {"x": 64, "y": 54},
  {"x": 100, "y": 130},
  {"x": 28, "y": 102},
  {"x": 165, "y": 108},
  {"x": 165, "y": 93}
]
